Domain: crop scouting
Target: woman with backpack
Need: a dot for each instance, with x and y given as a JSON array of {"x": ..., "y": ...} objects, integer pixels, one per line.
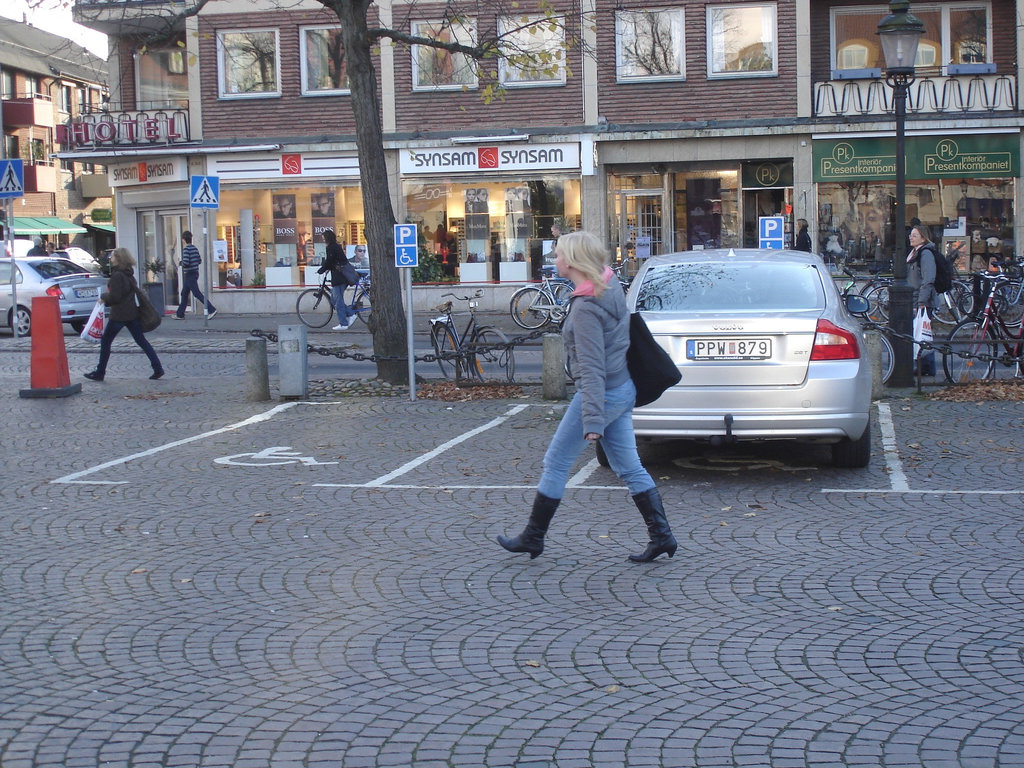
[{"x": 922, "y": 269}]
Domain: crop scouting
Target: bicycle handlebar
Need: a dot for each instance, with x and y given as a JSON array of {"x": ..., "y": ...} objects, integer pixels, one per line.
[{"x": 477, "y": 295}]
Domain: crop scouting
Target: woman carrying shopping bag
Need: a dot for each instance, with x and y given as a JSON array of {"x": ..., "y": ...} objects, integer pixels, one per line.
[
  {"x": 921, "y": 272},
  {"x": 121, "y": 297}
]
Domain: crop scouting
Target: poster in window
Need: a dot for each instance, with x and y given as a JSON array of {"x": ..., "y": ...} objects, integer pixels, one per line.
[
  {"x": 286, "y": 230},
  {"x": 477, "y": 224},
  {"x": 518, "y": 222},
  {"x": 322, "y": 205}
]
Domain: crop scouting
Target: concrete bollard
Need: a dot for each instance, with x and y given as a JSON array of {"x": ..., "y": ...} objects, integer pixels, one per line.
[
  {"x": 874, "y": 353},
  {"x": 553, "y": 367},
  {"x": 291, "y": 361},
  {"x": 257, "y": 377}
]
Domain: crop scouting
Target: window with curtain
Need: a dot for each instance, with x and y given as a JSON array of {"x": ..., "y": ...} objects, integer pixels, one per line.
[
  {"x": 436, "y": 68},
  {"x": 161, "y": 78},
  {"x": 741, "y": 40},
  {"x": 649, "y": 45},
  {"x": 323, "y": 61},
  {"x": 957, "y": 39}
]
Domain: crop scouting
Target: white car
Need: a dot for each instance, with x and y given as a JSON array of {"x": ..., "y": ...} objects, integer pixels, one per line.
[
  {"x": 80, "y": 256},
  {"x": 767, "y": 349}
]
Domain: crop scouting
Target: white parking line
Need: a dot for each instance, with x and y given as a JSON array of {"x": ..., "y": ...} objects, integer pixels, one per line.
[
  {"x": 894, "y": 467},
  {"x": 73, "y": 478},
  {"x": 411, "y": 465}
]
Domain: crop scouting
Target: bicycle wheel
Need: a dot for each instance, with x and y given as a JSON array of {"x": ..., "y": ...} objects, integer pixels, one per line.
[
  {"x": 488, "y": 360},
  {"x": 968, "y": 339},
  {"x": 530, "y": 307},
  {"x": 361, "y": 303},
  {"x": 888, "y": 361},
  {"x": 878, "y": 298},
  {"x": 314, "y": 307},
  {"x": 1010, "y": 303},
  {"x": 443, "y": 340}
]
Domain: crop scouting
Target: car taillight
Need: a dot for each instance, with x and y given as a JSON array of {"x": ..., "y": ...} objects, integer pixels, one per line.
[
  {"x": 55, "y": 291},
  {"x": 834, "y": 343}
]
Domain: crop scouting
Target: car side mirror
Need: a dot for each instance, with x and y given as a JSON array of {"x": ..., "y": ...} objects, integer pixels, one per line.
[{"x": 857, "y": 304}]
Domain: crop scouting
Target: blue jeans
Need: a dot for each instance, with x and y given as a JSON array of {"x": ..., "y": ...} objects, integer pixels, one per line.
[
  {"x": 190, "y": 284},
  {"x": 344, "y": 310},
  {"x": 110, "y": 331},
  {"x": 618, "y": 442}
]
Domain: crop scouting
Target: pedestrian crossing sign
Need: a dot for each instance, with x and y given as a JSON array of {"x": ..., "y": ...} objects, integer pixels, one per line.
[
  {"x": 12, "y": 178},
  {"x": 204, "y": 192}
]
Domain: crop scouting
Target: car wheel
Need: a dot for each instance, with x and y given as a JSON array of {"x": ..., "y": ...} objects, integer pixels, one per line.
[
  {"x": 602, "y": 457},
  {"x": 78, "y": 325},
  {"x": 23, "y": 321},
  {"x": 853, "y": 454}
]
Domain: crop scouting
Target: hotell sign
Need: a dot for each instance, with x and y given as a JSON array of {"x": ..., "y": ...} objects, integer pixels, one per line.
[{"x": 127, "y": 129}]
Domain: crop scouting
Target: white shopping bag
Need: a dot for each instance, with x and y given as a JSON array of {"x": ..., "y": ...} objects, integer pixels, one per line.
[
  {"x": 922, "y": 330},
  {"x": 94, "y": 326}
]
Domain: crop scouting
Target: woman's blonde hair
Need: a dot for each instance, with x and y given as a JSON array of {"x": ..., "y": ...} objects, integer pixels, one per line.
[
  {"x": 585, "y": 252},
  {"x": 122, "y": 258}
]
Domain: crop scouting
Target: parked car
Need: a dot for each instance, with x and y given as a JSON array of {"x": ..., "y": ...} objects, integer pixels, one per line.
[
  {"x": 80, "y": 256},
  {"x": 767, "y": 349},
  {"x": 21, "y": 247},
  {"x": 75, "y": 287}
]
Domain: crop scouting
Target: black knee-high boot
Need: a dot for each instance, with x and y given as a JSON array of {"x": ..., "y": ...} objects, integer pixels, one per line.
[
  {"x": 532, "y": 538},
  {"x": 662, "y": 540}
]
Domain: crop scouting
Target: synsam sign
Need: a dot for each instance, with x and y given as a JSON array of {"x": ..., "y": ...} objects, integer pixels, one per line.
[{"x": 495, "y": 158}]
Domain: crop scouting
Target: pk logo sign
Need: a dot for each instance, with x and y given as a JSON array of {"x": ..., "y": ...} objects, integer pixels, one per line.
[
  {"x": 406, "y": 251},
  {"x": 771, "y": 232}
]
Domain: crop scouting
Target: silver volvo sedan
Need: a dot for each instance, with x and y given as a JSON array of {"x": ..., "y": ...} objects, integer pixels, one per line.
[{"x": 767, "y": 349}]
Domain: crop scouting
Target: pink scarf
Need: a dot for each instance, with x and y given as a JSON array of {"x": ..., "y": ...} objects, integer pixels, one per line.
[{"x": 586, "y": 288}]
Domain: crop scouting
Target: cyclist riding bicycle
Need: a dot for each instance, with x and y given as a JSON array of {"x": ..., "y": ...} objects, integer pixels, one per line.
[{"x": 338, "y": 265}]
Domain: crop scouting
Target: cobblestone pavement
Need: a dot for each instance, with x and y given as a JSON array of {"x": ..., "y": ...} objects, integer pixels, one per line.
[{"x": 190, "y": 579}]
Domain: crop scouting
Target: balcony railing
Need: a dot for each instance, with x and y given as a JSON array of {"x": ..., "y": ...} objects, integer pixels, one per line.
[
  {"x": 21, "y": 113},
  {"x": 927, "y": 95}
]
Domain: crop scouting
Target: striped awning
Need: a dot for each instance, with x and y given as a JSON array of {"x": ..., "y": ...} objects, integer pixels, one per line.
[{"x": 45, "y": 225}]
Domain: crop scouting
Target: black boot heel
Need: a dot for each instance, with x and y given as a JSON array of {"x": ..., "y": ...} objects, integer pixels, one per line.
[
  {"x": 662, "y": 541},
  {"x": 532, "y": 538}
]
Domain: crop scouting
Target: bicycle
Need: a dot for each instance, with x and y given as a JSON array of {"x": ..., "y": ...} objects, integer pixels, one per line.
[
  {"x": 315, "y": 306},
  {"x": 972, "y": 351},
  {"x": 481, "y": 352},
  {"x": 888, "y": 359},
  {"x": 534, "y": 306}
]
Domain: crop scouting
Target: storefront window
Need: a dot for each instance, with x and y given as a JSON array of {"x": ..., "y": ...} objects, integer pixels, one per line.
[
  {"x": 492, "y": 230},
  {"x": 972, "y": 218},
  {"x": 288, "y": 226}
]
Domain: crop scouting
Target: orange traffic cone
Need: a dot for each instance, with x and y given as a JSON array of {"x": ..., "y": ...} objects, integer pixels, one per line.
[{"x": 50, "y": 376}]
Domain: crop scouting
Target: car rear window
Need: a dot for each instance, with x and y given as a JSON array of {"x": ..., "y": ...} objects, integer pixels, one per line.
[
  {"x": 722, "y": 286},
  {"x": 58, "y": 268}
]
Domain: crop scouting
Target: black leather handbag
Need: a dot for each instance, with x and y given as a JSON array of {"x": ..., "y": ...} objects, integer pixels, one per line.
[{"x": 650, "y": 366}]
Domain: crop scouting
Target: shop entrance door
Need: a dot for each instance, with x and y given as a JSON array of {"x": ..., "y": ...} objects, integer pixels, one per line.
[
  {"x": 640, "y": 224},
  {"x": 161, "y": 247},
  {"x": 766, "y": 202}
]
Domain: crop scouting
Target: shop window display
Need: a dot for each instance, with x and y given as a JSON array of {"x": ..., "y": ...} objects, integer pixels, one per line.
[
  {"x": 974, "y": 218},
  {"x": 288, "y": 229},
  {"x": 491, "y": 231}
]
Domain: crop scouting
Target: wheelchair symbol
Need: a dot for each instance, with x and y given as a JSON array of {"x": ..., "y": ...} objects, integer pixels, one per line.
[{"x": 270, "y": 457}]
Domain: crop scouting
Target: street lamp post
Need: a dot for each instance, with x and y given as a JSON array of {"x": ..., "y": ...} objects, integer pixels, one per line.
[{"x": 900, "y": 33}]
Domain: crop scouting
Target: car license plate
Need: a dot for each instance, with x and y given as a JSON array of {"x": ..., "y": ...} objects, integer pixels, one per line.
[
  {"x": 86, "y": 293},
  {"x": 728, "y": 349}
]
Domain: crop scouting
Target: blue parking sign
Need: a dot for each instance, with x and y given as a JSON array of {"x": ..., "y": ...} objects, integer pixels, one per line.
[
  {"x": 406, "y": 246},
  {"x": 771, "y": 232}
]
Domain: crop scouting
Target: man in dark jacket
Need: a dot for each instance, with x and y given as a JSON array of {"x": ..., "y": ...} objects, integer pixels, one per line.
[{"x": 190, "y": 261}]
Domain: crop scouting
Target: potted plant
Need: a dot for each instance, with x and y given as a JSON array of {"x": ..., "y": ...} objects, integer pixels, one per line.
[{"x": 154, "y": 285}]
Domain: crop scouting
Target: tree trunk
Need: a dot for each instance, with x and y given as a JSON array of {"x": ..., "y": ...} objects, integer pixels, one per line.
[{"x": 388, "y": 317}]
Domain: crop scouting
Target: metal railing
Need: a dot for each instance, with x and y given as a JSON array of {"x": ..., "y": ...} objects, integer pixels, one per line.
[{"x": 927, "y": 95}]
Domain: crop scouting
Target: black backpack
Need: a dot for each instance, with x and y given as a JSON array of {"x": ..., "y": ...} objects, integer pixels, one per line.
[{"x": 943, "y": 271}]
